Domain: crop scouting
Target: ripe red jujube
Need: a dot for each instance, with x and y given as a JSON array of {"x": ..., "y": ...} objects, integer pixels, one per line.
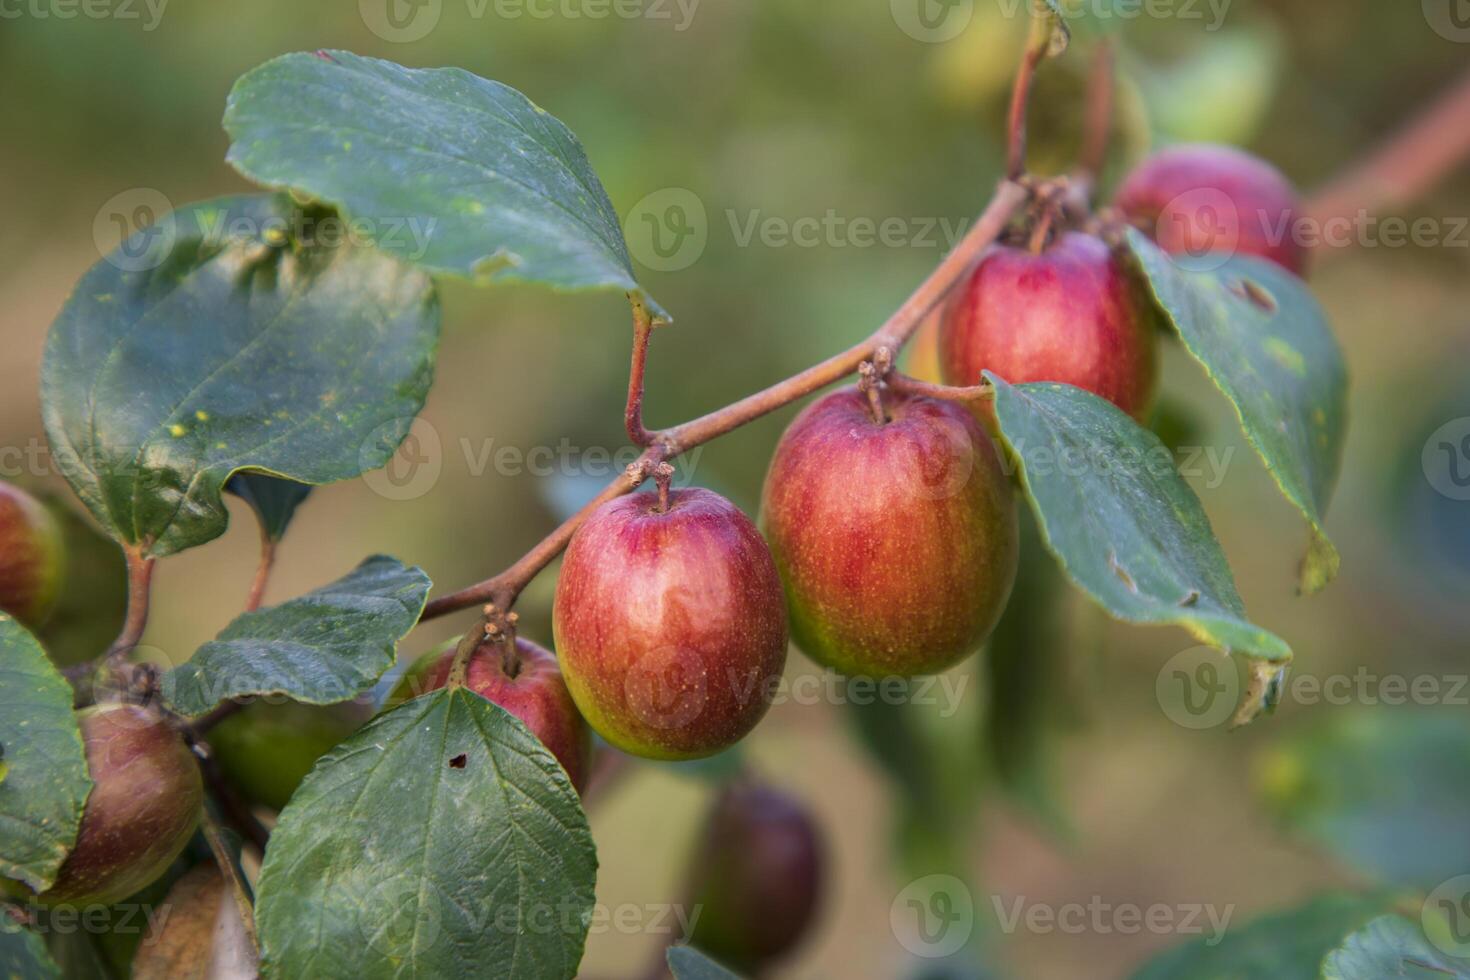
[
  {"x": 670, "y": 623},
  {"x": 897, "y": 541},
  {"x": 1070, "y": 313}
]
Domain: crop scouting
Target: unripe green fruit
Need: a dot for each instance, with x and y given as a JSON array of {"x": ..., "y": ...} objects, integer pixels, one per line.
[
  {"x": 897, "y": 542},
  {"x": 30, "y": 557},
  {"x": 670, "y": 624},
  {"x": 759, "y": 877},
  {"x": 143, "y": 807},
  {"x": 266, "y": 750}
]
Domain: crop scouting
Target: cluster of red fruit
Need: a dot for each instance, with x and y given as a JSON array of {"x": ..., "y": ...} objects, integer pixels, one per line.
[{"x": 890, "y": 539}]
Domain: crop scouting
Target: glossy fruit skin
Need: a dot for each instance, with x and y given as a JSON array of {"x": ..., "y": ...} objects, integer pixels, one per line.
[
  {"x": 266, "y": 750},
  {"x": 670, "y": 626},
  {"x": 30, "y": 557},
  {"x": 897, "y": 543},
  {"x": 537, "y": 695},
  {"x": 142, "y": 810},
  {"x": 759, "y": 877},
  {"x": 1201, "y": 198},
  {"x": 1070, "y": 314}
]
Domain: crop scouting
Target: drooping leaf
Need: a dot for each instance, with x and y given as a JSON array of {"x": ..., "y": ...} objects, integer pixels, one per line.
[
  {"x": 1385, "y": 791},
  {"x": 329, "y": 645},
  {"x": 1274, "y": 947},
  {"x": 1264, "y": 341},
  {"x": 23, "y": 954},
  {"x": 231, "y": 336},
  {"x": 273, "y": 499},
  {"x": 46, "y": 783},
  {"x": 1125, "y": 526},
  {"x": 94, "y": 591},
  {"x": 460, "y": 174},
  {"x": 1391, "y": 946},
  {"x": 443, "y": 839},
  {"x": 688, "y": 963}
]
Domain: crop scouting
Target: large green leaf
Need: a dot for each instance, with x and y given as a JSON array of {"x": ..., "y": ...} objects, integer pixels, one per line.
[
  {"x": 461, "y": 174},
  {"x": 688, "y": 963},
  {"x": 23, "y": 954},
  {"x": 1264, "y": 341},
  {"x": 327, "y": 646},
  {"x": 1386, "y": 791},
  {"x": 43, "y": 767},
  {"x": 1125, "y": 526},
  {"x": 1390, "y": 946},
  {"x": 273, "y": 499},
  {"x": 221, "y": 340},
  {"x": 1284, "y": 946},
  {"x": 443, "y": 839}
]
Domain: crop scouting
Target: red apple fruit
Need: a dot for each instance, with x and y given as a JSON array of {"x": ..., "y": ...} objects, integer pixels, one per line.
[
  {"x": 30, "y": 557},
  {"x": 759, "y": 877},
  {"x": 536, "y": 694},
  {"x": 897, "y": 541},
  {"x": 142, "y": 810},
  {"x": 670, "y": 625},
  {"x": 1070, "y": 314},
  {"x": 1201, "y": 198}
]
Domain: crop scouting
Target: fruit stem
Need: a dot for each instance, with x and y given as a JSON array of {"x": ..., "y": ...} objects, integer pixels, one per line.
[
  {"x": 140, "y": 580},
  {"x": 663, "y": 474},
  {"x": 262, "y": 571},
  {"x": 869, "y": 384},
  {"x": 667, "y": 443},
  {"x": 633, "y": 412}
]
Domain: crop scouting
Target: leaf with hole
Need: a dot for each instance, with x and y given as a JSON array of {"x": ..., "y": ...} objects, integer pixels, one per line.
[
  {"x": 223, "y": 339},
  {"x": 442, "y": 839},
  {"x": 46, "y": 783},
  {"x": 1264, "y": 341},
  {"x": 1125, "y": 526},
  {"x": 458, "y": 173},
  {"x": 329, "y": 645}
]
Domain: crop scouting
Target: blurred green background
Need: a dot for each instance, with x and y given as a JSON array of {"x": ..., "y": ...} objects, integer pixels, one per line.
[{"x": 791, "y": 109}]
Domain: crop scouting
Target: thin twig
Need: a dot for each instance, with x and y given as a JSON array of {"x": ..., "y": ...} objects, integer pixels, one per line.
[
  {"x": 503, "y": 588},
  {"x": 633, "y": 414},
  {"x": 231, "y": 872},
  {"x": 905, "y": 385},
  {"x": 1016, "y": 122},
  {"x": 236, "y": 811}
]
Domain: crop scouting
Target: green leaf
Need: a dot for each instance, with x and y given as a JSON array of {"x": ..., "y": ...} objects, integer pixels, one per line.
[
  {"x": 219, "y": 341},
  {"x": 89, "y": 612},
  {"x": 1385, "y": 791},
  {"x": 1125, "y": 526},
  {"x": 476, "y": 179},
  {"x": 1264, "y": 341},
  {"x": 1390, "y": 946},
  {"x": 688, "y": 963},
  {"x": 46, "y": 783},
  {"x": 23, "y": 954},
  {"x": 329, "y": 645},
  {"x": 273, "y": 499},
  {"x": 1275, "y": 947},
  {"x": 443, "y": 839}
]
